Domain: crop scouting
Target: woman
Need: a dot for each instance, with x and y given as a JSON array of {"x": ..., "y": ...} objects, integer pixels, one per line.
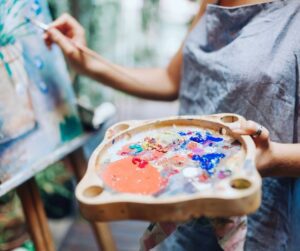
[{"x": 240, "y": 56}]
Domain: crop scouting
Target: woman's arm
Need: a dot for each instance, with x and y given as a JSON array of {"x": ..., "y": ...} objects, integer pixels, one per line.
[
  {"x": 272, "y": 159},
  {"x": 286, "y": 160},
  {"x": 151, "y": 83}
]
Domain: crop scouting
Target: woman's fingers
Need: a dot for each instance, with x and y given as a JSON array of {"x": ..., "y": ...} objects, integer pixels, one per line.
[
  {"x": 259, "y": 133},
  {"x": 69, "y": 26},
  {"x": 66, "y": 19},
  {"x": 67, "y": 46}
]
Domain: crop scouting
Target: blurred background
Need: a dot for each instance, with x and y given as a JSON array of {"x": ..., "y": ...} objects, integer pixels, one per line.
[
  {"x": 137, "y": 33},
  {"x": 134, "y": 33}
]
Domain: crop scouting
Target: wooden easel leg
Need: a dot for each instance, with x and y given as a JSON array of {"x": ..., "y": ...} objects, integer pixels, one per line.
[
  {"x": 35, "y": 216},
  {"x": 102, "y": 232}
]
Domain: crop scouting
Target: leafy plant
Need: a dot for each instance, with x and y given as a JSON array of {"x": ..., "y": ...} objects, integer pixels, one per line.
[{"x": 52, "y": 180}]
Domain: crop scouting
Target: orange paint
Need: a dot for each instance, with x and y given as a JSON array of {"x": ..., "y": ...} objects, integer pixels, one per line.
[
  {"x": 125, "y": 177},
  {"x": 192, "y": 145},
  {"x": 178, "y": 160}
]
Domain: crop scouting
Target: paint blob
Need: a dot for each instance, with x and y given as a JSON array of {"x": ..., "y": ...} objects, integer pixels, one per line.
[{"x": 127, "y": 176}]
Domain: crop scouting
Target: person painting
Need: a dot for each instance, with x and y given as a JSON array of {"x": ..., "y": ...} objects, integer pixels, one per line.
[{"x": 240, "y": 56}]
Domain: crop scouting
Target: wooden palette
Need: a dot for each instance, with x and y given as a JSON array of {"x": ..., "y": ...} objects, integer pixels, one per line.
[{"x": 171, "y": 169}]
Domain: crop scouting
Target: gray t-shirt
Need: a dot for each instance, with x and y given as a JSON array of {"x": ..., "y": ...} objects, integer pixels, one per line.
[{"x": 245, "y": 60}]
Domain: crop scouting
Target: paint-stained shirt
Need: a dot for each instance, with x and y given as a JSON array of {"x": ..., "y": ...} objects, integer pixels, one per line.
[{"x": 245, "y": 60}]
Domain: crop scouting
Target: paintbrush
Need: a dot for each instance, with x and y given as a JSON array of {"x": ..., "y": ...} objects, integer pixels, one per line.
[
  {"x": 82, "y": 48},
  {"x": 86, "y": 51}
]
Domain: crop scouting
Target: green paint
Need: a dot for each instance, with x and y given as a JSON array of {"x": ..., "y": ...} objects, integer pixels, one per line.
[
  {"x": 7, "y": 40},
  {"x": 12, "y": 10},
  {"x": 28, "y": 245},
  {"x": 6, "y": 65},
  {"x": 70, "y": 128},
  {"x": 18, "y": 27},
  {"x": 8, "y": 69}
]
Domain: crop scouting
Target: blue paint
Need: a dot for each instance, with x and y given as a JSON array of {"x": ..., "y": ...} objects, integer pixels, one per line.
[
  {"x": 182, "y": 133},
  {"x": 36, "y": 7},
  {"x": 210, "y": 161},
  {"x": 38, "y": 63},
  {"x": 196, "y": 157},
  {"x": 43, "y": 87},
  {"x": 183, "y": 145},
  {"x": 212, "y": 138},
  {"x": 208, "y": 137},
  {"x": 197, "y": 139}
]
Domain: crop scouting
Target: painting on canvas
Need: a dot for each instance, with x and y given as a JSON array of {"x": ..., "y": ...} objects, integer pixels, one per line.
[{"x": 37, "y": 103}]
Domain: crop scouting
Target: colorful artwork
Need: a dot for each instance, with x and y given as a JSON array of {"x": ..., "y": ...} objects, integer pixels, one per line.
[
  {"x": 37, "y": 103},
  {"x": 170, "y": 161}
]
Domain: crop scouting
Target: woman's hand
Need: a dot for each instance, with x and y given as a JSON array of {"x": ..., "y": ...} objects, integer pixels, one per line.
[
  {"x": 264, "y": 146},
  {"x": 68, "y": 33}
]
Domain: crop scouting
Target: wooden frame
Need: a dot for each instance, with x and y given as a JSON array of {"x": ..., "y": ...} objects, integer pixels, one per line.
[{"x": 244, "y": 197}]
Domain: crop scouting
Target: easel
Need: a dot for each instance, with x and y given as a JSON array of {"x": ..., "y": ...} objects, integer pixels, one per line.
[{"x": 72, "y": 155}]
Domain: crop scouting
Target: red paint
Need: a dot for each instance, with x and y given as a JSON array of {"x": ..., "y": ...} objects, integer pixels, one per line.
[
  {"x": 174, "y": 171},
  {"x": 140, "y": 162},
  {"x": 125, "y": 177},
  {"x": 203, "y": 177}
]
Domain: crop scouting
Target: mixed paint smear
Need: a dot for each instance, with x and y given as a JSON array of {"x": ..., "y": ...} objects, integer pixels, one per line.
[{"x": 169, "y": 161}]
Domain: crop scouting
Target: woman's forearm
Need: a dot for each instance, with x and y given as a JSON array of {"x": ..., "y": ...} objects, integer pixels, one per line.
[
  {"x": 285, "y": 160},
  {"x": 152, "y": 83}
]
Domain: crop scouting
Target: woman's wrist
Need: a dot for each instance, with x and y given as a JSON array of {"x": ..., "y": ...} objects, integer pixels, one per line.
[
  {"x": 284, "y": 160},
  {"x": 272, "y": 159},
  {"x": 91, "y": 66},
  {"x": 95, "y": 69},
  {"x": 265, "y": 159}
]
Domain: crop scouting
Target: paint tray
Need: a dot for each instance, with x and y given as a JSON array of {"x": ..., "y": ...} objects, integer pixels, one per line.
[{"x": 171, "y": 169}]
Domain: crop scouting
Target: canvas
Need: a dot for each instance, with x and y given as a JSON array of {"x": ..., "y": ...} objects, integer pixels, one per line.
[{"x": 37, "y": 103}]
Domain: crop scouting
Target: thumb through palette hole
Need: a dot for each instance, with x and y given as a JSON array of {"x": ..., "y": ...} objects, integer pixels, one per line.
[
  {"x": 92, "y": 191},
  {"x": 240, "y": 184}
]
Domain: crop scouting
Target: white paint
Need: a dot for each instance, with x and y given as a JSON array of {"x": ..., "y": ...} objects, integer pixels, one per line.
[{"x": 191, "y": 172}]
